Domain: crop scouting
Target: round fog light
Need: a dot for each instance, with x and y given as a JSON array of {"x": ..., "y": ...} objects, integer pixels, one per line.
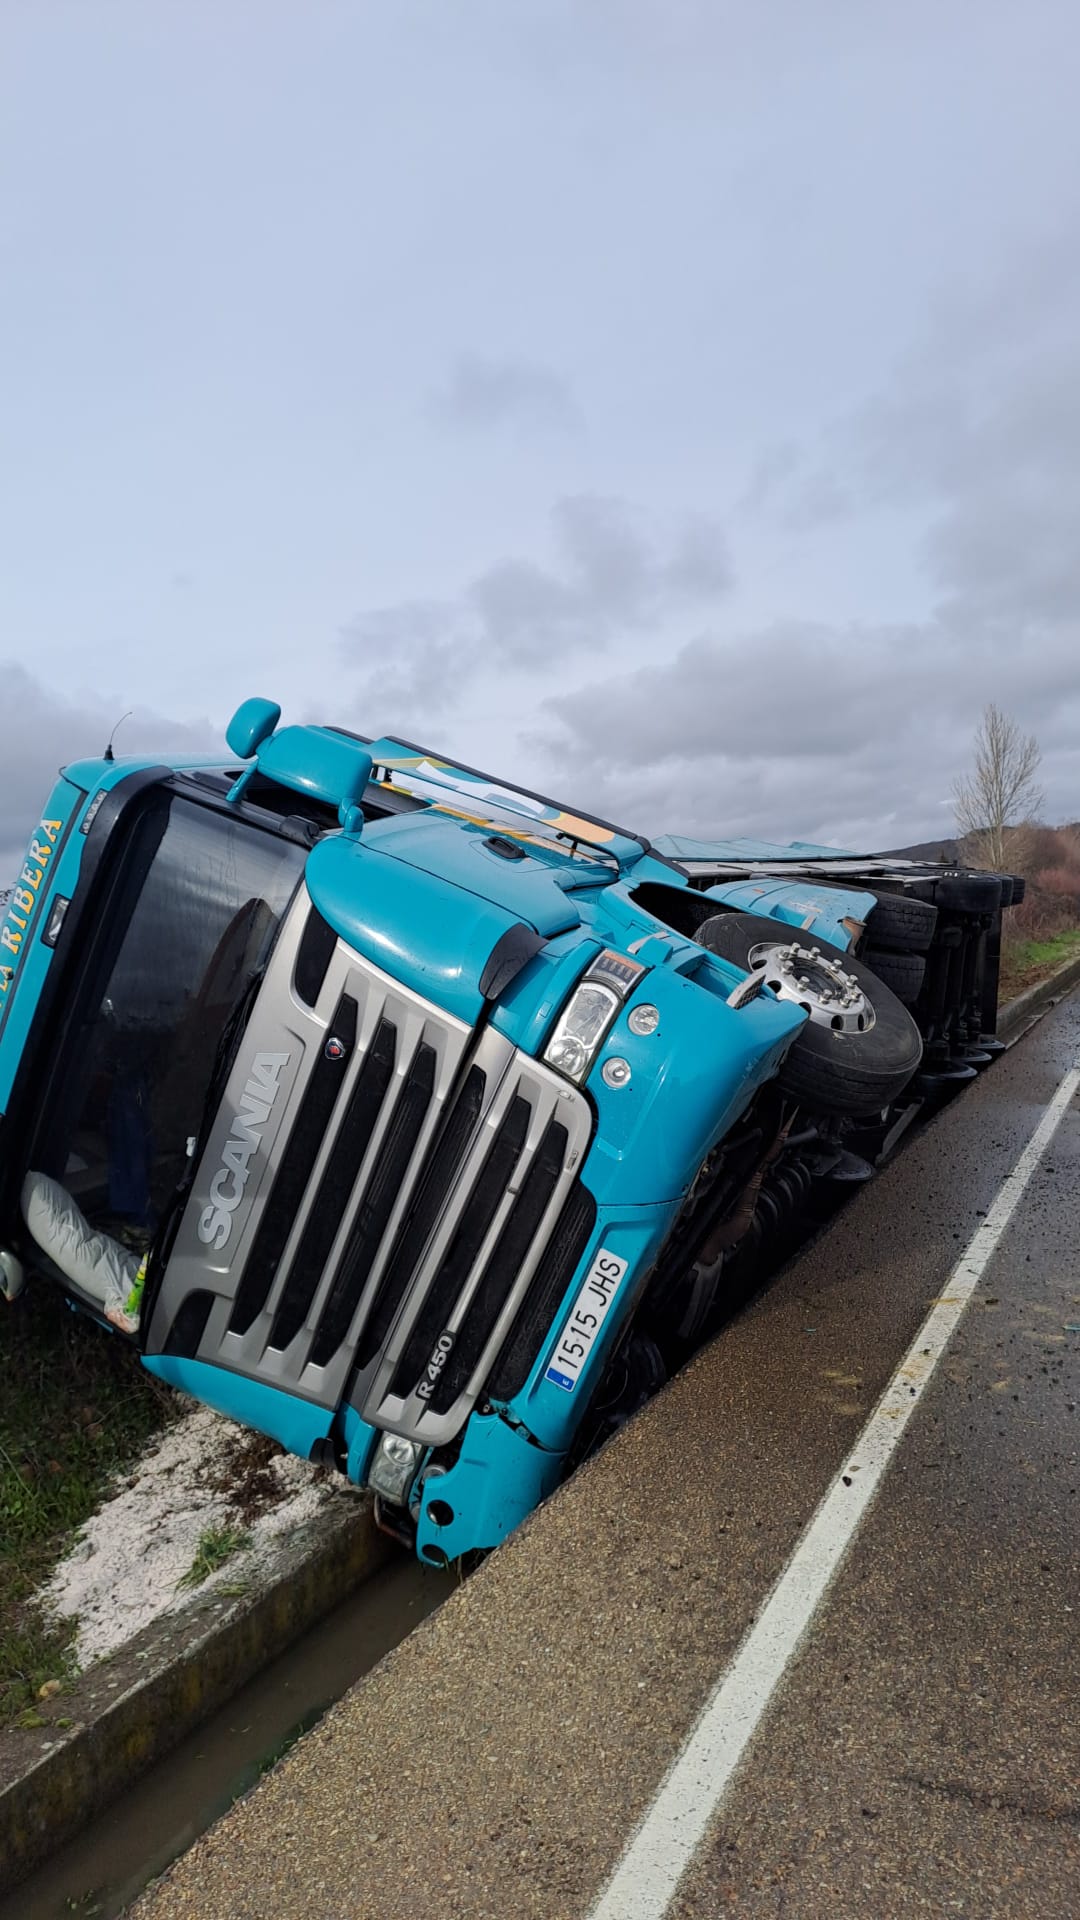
[
  {"x": 567, "y": 1054},
  {"x": 393, "y": 1467},
  {"x": 644, "y": 1019},
  {"x": 616, "y": 1072}
]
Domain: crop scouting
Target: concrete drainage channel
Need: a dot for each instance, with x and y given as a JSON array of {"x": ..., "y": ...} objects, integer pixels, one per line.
[
  {"x": 98, "y": 1874},
  {"x": 232, "y": 1678},
  {"x": 164, "y": 1735}
]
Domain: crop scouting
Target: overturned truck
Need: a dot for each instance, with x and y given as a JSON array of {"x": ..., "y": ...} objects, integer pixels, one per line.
[{"x": 424, "y": 1124}]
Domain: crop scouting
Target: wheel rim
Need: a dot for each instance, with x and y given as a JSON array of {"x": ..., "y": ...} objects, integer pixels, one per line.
[{"x": 820, "y": 986}]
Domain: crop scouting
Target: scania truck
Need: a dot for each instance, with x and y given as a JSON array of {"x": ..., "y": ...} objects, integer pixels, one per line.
[{"x": 423, "y": 1123}]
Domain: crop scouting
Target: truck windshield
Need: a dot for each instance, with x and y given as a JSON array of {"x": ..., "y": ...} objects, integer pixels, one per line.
[{"x": 183, "y": 932}]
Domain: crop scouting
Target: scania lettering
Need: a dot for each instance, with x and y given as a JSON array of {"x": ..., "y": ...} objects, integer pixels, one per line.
[
  {"x": 426, "y": 1124},
  {"x": 245, "y": 1138}
]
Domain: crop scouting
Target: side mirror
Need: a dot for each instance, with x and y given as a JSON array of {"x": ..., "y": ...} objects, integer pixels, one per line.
[
  {"x": 252, "y": 723},
  {"x": 353, "y": 787},
  {"x": 318, "y": 761}
]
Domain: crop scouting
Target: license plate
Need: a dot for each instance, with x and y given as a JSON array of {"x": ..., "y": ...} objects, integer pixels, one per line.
[{"x": 586, "y": 1319}]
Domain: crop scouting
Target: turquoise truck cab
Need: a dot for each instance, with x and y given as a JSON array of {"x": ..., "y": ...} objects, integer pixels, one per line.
[{"x": 430, "y": 1107}]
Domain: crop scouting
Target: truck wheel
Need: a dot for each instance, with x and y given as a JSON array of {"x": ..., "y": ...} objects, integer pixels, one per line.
[
  {"x": 1019, "y": 888},
  {"x": 859, "y": 1048},
  {"x": 903, "y": 972},
  {"x": 902, "y": 922}
]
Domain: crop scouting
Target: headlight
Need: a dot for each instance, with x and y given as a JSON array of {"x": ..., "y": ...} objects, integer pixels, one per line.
[
  {"x": 589, "y": 1013},
  {"x": 393, "y": 1465},
  {"x": 583, "y": 1023}
]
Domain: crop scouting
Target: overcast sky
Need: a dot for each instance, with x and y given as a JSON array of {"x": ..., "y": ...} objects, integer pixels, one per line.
[{"x": 673, "y": 404}]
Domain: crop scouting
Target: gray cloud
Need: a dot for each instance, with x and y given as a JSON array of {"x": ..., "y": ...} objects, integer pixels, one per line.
[
  {"x": 1011, "y": 551},
  {"x": 412, "y": 688},
  {"x": 1003, "y": 541},
  {"x": 815, "y": 499},
  {"x": 980, "y": 431},
  {"x": 700, "y": 565},
  {"x": 860, "y": 801},
  {"x": 40, "y": 732},
  {"x": 788, "y": 488},
  {"x": 481, "y": 393},
  {"x": 607, "y": 578},
  {"x": 977, "y": 431},
  {"x": 970, "y": 453},
  {"x": 807, "y": 731}
]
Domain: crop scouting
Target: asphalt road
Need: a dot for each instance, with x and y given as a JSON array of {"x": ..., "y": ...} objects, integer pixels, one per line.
[{"x": 921, "y": 1754}]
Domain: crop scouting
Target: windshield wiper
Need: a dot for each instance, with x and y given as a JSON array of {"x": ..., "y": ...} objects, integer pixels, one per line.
[{"x": 224, "y": 1060}]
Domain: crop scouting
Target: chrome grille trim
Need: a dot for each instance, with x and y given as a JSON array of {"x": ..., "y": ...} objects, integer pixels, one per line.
[
  {"x": 282, "y": 1021},
  {"x": 549, "y": 1097},
  {"x": 416, "y": 1024}
]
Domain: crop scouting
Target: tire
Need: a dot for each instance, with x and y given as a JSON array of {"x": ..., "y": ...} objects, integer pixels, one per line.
[
  {"x": 902, "y": 972},
  {"x": 902, "y": 922},
  {"x": 853, "y": 1073},
  {"x": 1019, "y": 888},
  {"x": 1006, "y": 883}
]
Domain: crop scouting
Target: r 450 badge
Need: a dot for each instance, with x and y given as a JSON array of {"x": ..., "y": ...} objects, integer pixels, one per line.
[{"x": 429, "y": 1379}]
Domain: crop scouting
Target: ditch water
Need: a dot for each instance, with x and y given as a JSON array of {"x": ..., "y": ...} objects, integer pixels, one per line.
[{"x": 102, "y": 1870}]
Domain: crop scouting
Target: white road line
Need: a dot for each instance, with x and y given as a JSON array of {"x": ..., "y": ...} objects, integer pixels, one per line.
[{"x": 644, "y": 1882}]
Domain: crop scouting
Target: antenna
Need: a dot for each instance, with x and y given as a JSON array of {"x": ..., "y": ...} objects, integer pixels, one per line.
[{"x": 109, "y": 754}]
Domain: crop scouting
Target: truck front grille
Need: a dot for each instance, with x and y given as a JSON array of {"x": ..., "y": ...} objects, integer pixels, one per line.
[
  {"x": 562, "y": 1256},
  {"x": 335, "y": 1191},
  {"x": 442, "y": 1169},
  {"x": 320, "y": 1095},
  {"x": 385, "y": 1182},
  {"x": 461, "y": 1256},
  {"x": 489, "y": 1196},
  {"x": 400, "y": 1246}
]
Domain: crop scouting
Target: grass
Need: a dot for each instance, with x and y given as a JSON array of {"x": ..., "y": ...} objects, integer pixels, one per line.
[
  {"x": 76, "y": 1409},
  {"x": 1028, "y": 961},
  {"x": 215, "y": 1546}
]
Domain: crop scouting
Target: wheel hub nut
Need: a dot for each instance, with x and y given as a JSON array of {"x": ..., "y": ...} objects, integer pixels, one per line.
[{"x": 817, "y": 983}]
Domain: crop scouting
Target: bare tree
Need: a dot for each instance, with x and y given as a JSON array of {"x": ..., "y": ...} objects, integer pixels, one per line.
[{"x": 1001, "y": 790}]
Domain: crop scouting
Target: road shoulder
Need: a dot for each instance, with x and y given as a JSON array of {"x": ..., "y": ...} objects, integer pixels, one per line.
[{"x": 500, "y": 1758}]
